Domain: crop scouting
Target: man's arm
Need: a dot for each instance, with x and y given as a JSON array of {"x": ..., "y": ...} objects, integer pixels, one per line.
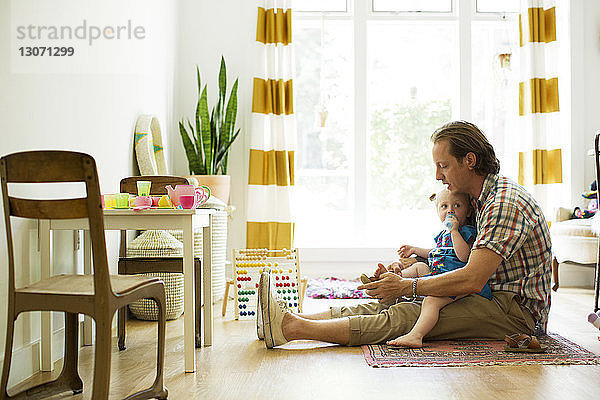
[{"x": 466, "y": 280}]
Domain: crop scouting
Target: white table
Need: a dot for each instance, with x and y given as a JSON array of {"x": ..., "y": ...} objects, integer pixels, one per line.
[{"x": 185, "y": 220}]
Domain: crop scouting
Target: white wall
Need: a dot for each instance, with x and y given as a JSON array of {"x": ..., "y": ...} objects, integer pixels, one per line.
[
  {"x": 591, "y": 83},
  {"x": 207, "y": 30},
  {"x": 92, "y": 113},
  {"x": 585, "y": 86}
]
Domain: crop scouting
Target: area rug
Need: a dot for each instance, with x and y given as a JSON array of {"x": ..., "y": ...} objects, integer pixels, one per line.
[
  {"x": 334, "y": 288},
  {"x": 470, "y": 352}
]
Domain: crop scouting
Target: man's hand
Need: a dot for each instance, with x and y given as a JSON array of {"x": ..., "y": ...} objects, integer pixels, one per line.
[{"x": 388, "y": 288}]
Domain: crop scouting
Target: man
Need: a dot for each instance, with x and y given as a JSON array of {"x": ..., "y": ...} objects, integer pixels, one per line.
[{"x": 512, "y": 252}]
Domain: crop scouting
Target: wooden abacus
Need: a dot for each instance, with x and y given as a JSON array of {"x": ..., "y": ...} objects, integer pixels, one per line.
[{"x": 248, "y": 266}]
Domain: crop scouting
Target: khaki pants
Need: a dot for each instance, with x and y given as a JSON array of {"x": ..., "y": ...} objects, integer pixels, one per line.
[{"x": 472, "y": 316}]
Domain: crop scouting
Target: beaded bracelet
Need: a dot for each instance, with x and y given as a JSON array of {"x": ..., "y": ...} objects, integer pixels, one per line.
[{"x": 414, "y": 287}]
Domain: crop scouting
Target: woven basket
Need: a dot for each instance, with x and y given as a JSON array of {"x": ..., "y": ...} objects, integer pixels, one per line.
[
  {"x": 146, "y": 309},
  {"x": 155, "y": 244},
  {"x": 158, "y": 244}
]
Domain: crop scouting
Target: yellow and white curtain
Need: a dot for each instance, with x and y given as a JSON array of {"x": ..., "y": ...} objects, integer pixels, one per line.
[
  {"x": 270, "y": 221},
  {"x": 540, "y": 158}
]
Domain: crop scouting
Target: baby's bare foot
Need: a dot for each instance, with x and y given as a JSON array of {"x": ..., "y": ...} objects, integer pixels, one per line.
[{"x": 407, "y": 340}]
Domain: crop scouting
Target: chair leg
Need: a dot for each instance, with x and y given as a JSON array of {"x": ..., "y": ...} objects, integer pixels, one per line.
[
  {"x": 10, "y": 331},
  {"x": 226, "y": 298},
  {"x": 158, "y": 389},
  {"x": 121, "y": 326},
  {"x": 555, "y": 273},
  {"x": 68, "y": 380},
  {"x": 69, "y": 377},
  {"x": 102, "y": 354}
]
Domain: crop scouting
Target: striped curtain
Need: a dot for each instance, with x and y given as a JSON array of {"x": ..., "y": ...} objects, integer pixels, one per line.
[
  {"x": 540, "y": 158},
  {"x": 270, "y": 221}
]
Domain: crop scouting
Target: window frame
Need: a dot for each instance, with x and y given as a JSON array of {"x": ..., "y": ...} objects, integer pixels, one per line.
[{"x": 361, "y": 13}]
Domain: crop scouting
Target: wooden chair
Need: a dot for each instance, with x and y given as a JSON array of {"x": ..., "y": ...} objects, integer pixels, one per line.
[
  {"x": 140, "y": 265},
  {"x": 98, "y": 295}
]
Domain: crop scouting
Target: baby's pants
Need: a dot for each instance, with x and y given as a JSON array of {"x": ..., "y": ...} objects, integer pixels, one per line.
[{"x": 472, "y": 316}]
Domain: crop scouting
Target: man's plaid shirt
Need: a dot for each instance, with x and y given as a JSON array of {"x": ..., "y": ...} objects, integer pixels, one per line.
[{"x": 511, "y": 224}]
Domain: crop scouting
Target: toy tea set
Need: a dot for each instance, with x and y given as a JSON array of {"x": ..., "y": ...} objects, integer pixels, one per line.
[{"x": 180, "y": 197}]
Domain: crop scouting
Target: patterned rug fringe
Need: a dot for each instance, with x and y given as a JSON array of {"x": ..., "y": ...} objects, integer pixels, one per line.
[
  {"x": 489, "y": 364},
  {"x": 478, "y": 352}
]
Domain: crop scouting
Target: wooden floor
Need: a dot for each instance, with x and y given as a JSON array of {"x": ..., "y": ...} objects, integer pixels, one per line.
[{"x": 238, "y": 366}]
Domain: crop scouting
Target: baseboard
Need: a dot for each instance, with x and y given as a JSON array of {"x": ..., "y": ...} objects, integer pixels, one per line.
[
  {"x": 345, "y": 270},
  {"x": 26, "y": 360}
]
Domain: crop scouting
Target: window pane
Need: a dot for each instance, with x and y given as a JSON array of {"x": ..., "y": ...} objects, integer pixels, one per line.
[
  {"x": 319, "y": 5},
  {"x": 412, "y": 81},
  {"x": 504, "y": 6},
  {"x": 324, "y": 212},
  {"x": 413, "y": 5},
  {"x": 495, "y": 87},
  {"x": 323, "y": 95}
]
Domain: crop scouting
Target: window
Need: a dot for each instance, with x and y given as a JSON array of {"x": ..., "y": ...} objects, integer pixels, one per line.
[
  {"x": 312, "y": 6},
  {"x": 495, "y": 6},
  {"x": 412, "y": 5},
  {"x": 373, "y": 80}
]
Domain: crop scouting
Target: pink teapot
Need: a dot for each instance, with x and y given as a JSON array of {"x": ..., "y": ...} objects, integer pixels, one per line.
[{"x": 201, "y": 193}]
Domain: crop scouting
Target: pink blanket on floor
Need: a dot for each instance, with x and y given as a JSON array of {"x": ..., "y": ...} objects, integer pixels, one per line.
[{"x": 334, "y": 288}]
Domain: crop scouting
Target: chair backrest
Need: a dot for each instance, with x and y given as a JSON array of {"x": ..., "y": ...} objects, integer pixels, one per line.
[
  {"x": 157, "y": 188},
  {"x": 129, "y": 184},
  {"x": 50, "y": 167}
]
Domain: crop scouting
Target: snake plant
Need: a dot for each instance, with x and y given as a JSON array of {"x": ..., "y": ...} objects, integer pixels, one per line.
[{"x": 207, "y": 142}]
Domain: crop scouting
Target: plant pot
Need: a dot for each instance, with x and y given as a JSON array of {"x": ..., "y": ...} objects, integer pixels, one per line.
[{"x": 219, "y": 184}]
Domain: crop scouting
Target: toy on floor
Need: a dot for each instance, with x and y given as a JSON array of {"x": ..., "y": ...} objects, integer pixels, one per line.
[
  {"x": 366, "y": 279},
  {"x": 578, "y": 213},
  {"x": 250, "y": 264},
  {"x": 594, "y": 319},
  {"x": 592, "y": 206}
]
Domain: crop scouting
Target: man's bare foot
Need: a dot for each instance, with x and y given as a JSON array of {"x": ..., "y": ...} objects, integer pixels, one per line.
[{"x": 408, "y": 340}]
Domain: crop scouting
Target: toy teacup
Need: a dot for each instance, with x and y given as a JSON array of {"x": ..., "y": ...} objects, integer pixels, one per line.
[
  {"x": 143, "y": 201},
  {"x": 187, "y": 201},
  {"x": 202, "y": 194}
]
